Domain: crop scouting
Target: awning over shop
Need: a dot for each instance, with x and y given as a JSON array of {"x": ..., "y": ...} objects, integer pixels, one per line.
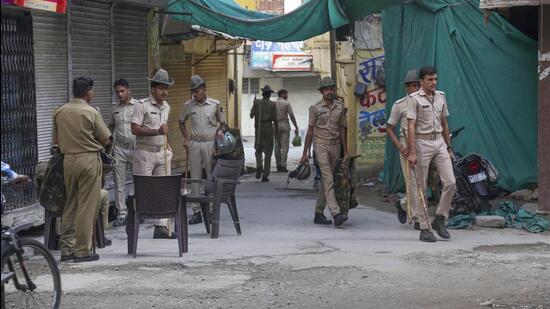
[
  {"x": 488, "y": 70},
  {"x": 312, "y": 18}
]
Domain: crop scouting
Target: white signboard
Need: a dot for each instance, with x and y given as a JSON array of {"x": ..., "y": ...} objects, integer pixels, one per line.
[{"x": 291, "y": 62}]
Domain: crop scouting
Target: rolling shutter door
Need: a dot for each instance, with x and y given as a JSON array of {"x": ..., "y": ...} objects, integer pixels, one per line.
[
  {"x": 302, "y": 93},
  {"x": 130, "y": 46},
  {"x": 214, "y": 70},
  {"x": 91, "y": 49},
  {"x": 178, "y": 94},
  {"x": 50, "y": 61}
]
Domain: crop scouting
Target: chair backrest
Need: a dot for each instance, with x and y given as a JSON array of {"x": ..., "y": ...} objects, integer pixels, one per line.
[
  {"x": 157, "y": 195},
  {"x": 226, "y": 169}
]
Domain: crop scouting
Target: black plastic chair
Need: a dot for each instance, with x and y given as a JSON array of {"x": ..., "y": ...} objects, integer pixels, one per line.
[
  {"x": 219, "y": 188},
  {"x": 158, "y": 197}
]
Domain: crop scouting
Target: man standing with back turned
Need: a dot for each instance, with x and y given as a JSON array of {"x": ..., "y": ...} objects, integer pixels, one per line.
[
  {"x": 265, "y": 120},
  {"x": 284, "y": 110},
  {"x": 429, "y": 141},
  {"x": 80, "y": 132}
]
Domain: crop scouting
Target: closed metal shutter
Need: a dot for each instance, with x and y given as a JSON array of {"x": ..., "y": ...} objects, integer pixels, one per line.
[
  {"x": 178, "y": 94},
  {"x": 50, "y": 61},
  {"x": 130, "y": 46},
  {"x": 91, "y": 49},
  {"x": 302, "y": 93},
  {"x": 214, "y": 70}
]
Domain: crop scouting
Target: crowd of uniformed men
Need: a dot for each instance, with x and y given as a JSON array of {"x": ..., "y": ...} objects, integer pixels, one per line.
[{"x": 138, "y": 129}]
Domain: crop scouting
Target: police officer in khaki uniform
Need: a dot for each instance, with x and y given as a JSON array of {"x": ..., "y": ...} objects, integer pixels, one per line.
[
  {"x": 80, "y": 132},
  {"x": 153, "y": 154},
  {"x": 327, "y": 131},
  {"x": 265, "y": 121},
  {"x": 206, "y": 118},
  {"x": 123, "y": 144},
  {"x": 429, "y": 141},
  {"x": 398, "y": 115},
  {"x": 284, "y": 110}
]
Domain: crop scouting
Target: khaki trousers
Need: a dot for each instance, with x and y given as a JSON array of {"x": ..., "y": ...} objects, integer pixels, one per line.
[
  {"x": 82, "y": 174},
  {"x": 105, "y": 208},
  {"x": 410, "y": 199},
  {"x": 148, "y": 163},
  {"x": 264, "y": 145},
  {"x": 124, "y": 158},
  {"x": 200, "y": 156},
  {"x": 327, "y": 158},
  {"x": 282, "y": 143},
  {"x": 436, "y": 151}
]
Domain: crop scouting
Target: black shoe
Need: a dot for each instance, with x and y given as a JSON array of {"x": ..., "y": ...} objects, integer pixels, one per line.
[
  {"x": 258, "y": 173},
  {"x": 427, "y": 236},
  {"x": 345, "y": 216},
  {"x": 401, "y": 213},
  {"x": 321, "y": 219},
  {"x": 338, "y": 219},
  {"x": 119, "y": 222},
  {"x": 265, "y": 179},
  {"x": 196, "y": 218},
  {"x": 417, "y": 226},
  {"x": 65, "y": 258},
  {"x": 90, "y": 258},
  {"x": 282, "y": 169},
  {"x": 438, "y": 225},
  {"x": 107, "y": 242},
  {"x": 161, "y": 232}
]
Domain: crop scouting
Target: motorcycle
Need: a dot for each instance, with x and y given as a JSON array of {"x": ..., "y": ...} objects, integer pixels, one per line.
[{"x": 476, "y": 179}]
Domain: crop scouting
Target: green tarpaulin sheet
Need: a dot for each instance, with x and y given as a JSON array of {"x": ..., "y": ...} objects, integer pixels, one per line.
[
  {"x": 488, "y": 71},
  {"x": 514, "y": 217},
  {"x": 312, "y": 18}
]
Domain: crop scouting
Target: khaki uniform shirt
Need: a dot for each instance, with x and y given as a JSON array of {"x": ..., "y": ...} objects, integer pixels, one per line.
[
  {"x": 149, "y": 114},
  {"x": 284, "y": 109},
  {"x": 121, "y": 120},
  {"x": 428, "y": 114},
  {"x": 205, "y": 118},
  {"x": 79, "y": 127},
  {"x": 327, "y": 120},
  {"x": 398, "y": 114}
]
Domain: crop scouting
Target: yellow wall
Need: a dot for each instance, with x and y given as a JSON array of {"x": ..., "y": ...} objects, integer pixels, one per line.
[{"x": 248, "y": 4}]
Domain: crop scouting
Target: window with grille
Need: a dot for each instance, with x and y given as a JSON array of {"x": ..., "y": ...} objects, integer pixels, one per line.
[
  {"x": 251, "y": 85},
  {"x": 19, "y": 147}
]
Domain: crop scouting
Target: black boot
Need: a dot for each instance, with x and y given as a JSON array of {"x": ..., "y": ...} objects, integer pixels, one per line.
[
  {"x": 427, "y": 236},
  {"x": 321, "y": 219},
  {"x": 401, "y": 213},
  {"x": 438, "y": 225},
  {"x": 338, "y": 219},
  {"x": 196, "y": 218},
  {"x": 161, "y": 232}
]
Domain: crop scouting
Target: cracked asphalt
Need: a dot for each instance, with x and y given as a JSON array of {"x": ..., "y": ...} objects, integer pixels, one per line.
[{"x": 283, "y": 260}]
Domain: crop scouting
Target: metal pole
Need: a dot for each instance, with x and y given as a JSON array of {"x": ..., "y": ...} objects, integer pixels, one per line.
[{"x": 333, "y": 56}]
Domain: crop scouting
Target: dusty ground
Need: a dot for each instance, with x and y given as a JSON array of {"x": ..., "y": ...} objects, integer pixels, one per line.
[{"x": 283, "y": 260}]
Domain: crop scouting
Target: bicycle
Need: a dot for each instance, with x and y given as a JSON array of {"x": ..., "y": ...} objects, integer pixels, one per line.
[{"x": 33, "y": 270}]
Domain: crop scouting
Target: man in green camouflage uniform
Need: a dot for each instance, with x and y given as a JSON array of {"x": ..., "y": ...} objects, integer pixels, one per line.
[{"x": 265, "y": 120}]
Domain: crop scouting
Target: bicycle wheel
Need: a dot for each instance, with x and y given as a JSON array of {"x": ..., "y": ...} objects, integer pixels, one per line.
[{"x": 43, "y": 272}]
